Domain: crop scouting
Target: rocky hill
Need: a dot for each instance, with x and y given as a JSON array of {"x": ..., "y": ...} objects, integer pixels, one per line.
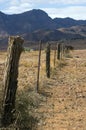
[
  {"x": 75, "y": 30},
  {"x": 36, "y": 25}
]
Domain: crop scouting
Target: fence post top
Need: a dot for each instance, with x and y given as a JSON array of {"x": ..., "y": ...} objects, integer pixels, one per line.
[{"x": 16, "y": 38}]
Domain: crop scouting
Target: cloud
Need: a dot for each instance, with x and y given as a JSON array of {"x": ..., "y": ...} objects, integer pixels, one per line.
[
  {"x": 55, "y": 8},
  {"x": 67, "y": 1},
  {"x": 17, "y": 6},
  {"x": 1, "y": 1},
  {"x": 77, "y": 12}
]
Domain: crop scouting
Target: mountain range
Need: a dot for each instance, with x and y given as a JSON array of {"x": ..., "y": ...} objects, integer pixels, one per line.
[{"x": 35, "y": 25}]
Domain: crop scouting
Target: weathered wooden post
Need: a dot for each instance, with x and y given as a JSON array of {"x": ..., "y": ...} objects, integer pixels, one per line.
[
  {"x": 58, "y": 51},
  {"x": 48, "y": 60},
  {"x": 10, "y": 79},
  {"x": 61, "y": 51},
  {"x": 54, "y": 55},
  {"x": 39, "y": 62}
]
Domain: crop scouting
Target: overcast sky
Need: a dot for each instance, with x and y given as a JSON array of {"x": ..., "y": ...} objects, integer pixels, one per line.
[{"x": 55, "y": 8}]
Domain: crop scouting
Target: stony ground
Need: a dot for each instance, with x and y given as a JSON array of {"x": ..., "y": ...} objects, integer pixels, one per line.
[
  {"x": 65, "y": 108},
  {"x": 64, "y": 105}
]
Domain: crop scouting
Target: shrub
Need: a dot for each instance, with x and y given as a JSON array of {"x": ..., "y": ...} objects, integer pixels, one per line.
[{"x": 27, "y": 102}]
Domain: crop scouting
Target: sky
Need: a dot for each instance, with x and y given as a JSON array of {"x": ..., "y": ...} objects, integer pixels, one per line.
[{"x": 55, "y": 8}]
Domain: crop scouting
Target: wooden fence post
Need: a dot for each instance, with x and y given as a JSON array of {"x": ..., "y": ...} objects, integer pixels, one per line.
[
  {"x": 58, "y": 51},
  {"x": 54, "y": 55},
  {"x": 61, "y": 51},
  {"x": 10, "y": 79},
  {"x": 39, "y": 61},
  {"x": 48, "y": 60}
]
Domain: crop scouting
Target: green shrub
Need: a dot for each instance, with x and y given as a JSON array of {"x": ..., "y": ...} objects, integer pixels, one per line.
[{"x": 27, "y": 49}]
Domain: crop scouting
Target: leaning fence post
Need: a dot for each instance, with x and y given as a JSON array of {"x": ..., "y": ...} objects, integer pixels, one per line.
[
  {"x": 10, "y": 79},
  {"x": 48, "y": 60}
]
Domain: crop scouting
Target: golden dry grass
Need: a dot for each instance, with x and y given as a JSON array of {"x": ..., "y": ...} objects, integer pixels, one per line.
[{"x": 64, "y": 105}]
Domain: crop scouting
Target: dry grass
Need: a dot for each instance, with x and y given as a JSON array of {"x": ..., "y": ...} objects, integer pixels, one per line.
[{"x": 61, "y": 104}]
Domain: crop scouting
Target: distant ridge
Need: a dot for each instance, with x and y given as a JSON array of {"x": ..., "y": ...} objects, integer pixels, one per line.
[{"x": 29, "y": 23}]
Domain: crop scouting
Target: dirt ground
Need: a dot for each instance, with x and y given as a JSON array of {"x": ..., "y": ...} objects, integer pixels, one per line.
[{"x": 64, "y": 107}]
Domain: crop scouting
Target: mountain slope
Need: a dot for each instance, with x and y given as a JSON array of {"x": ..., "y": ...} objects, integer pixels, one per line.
[
  {"x": 75, "y": 29},
  {"x": 68, "y": 22},
  {"x": 26, "y": 22},
  {"x": 36, "y": 24},
  {"x": 53, "y": 35},
  {"x": 33, "y": 20}
]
